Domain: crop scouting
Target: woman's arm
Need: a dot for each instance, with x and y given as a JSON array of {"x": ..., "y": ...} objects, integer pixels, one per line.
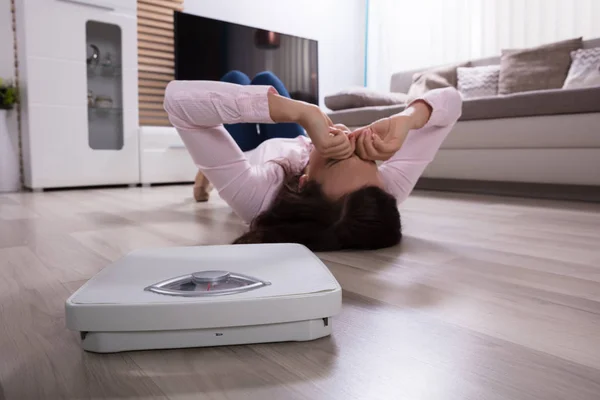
[
  {"x": 417, "y": 114},
  {"x": 198, "y": 110},
  {"x": 383, "y": 138},
  {"x": 328, "y": 140},
  {"x": 430, "y": 119}
]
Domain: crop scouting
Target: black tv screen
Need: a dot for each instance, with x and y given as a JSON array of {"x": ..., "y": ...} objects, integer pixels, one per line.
[{"x": 206, "y": 49}]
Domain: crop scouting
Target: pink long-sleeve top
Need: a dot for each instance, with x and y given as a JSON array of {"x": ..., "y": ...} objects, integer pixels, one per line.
[{"x": 249, "y": 181}]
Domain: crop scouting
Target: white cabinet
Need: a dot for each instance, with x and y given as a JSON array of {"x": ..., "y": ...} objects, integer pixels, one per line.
[
  {"x": 163, "y": 156},
  {"x": 68, "y": 141}
]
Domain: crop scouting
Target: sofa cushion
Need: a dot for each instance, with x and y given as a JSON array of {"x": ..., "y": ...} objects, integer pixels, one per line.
[
  {"x": 474, "y": 82},
  {"x": 538, "y": 68},
  {"x": 527, "y": 104},
  {"x": 434, "y": 78},
  {"x": 362, "y": 97},
  {"x": 585, "y": 69}
]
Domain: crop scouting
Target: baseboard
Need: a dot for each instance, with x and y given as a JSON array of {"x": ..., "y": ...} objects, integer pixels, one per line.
[{"x": 514, "y": 189}]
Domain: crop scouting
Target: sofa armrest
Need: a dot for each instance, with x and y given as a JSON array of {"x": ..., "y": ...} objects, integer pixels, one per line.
[{"x": 357, "y": 117}]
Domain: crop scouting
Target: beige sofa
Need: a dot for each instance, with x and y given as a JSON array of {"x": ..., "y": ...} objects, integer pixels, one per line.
[{"x": 541, "y": 137}]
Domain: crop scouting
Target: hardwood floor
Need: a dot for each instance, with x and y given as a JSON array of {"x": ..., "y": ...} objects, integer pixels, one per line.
[{"x": 486, "y": 298}]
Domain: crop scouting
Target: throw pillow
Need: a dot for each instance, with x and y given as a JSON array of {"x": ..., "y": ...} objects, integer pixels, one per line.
[
  {"x": 362, "y": 97},
  {"x": 537, "y": 68},
  {"x": 478, "y": 81},
  {"x": 435, "y": 78},
  {"x": 585, "y": 69}
]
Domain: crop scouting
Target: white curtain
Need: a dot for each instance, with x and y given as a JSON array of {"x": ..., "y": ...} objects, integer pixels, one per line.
[{"x": 410, "y": 34}]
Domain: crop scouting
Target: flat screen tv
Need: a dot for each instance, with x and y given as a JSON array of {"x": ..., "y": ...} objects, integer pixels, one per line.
[{"x": 206, "y": 49}]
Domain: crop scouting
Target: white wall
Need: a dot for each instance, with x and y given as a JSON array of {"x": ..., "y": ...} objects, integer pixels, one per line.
[
  {"x": 408, "y": 34},
  {"x": 8, "y": 157},
  {"x": 338, "y": 25},
  {"x": 7, "y": 59}
]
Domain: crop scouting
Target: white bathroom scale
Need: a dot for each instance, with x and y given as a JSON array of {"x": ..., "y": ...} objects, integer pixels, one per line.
[{"x": 205, "y": 296}]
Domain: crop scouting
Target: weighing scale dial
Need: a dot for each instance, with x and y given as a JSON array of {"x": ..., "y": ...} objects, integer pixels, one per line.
[{"x": 207, "y": 283}]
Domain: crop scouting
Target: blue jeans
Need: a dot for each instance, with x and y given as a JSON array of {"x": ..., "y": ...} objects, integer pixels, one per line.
[{"x": 249, "y": 136}]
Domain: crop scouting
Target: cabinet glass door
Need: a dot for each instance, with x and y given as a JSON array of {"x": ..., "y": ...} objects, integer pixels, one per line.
[{"x": 104, "y": 85}]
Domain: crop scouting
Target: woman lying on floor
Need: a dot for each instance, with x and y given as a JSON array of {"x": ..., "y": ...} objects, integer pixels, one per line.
[{"x": 325, "y": 191}]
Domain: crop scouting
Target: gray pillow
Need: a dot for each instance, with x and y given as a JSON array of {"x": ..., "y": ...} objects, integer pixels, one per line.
[
  {"x": 585, "y": 69},
  {"x": 474, "y": 82},
  {"x": 435, "y": 78},
  {"x": 537, "y": 68},
  {"x": 362, "y": 97}
]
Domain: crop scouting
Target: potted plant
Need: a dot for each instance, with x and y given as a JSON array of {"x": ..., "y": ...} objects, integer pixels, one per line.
[
  {"x": 8, "y": 95},
  {"x": 9, "y": 147}
]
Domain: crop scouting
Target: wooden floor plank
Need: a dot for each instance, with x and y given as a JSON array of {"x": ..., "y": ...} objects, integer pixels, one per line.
[
  {"x": 485, "y": 298},
  {"x": 39, "y": 357}
]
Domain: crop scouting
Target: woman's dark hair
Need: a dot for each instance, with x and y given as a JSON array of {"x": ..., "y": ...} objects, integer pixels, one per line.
[{"x": 366, "y": 219}]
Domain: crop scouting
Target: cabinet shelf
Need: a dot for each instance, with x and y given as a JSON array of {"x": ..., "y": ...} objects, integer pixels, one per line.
[
  {"x": 105, "y": 71},
  {"x": 105, "y": 110}
]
